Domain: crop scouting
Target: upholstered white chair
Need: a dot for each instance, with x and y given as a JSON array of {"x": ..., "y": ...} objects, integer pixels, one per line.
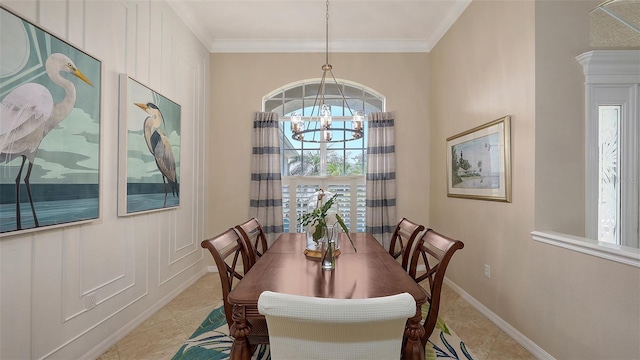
[{"x": 303, "y": 327}]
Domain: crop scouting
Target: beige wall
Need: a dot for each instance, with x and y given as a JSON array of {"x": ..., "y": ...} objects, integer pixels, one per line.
[
  {"x": 481, "y": 70},
  {"x": 239, "y": 81},
  {"x": 583, "y": 284},
  {"x": 518, "y": 58},
  {"x": 561, "y": 35}
]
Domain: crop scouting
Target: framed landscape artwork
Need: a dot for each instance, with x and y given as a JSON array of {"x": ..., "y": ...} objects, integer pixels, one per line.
[
  {"x": 49, "y": 129},
  {"x": 479, "y": 162},
  {"x": 149, "y": 150}
]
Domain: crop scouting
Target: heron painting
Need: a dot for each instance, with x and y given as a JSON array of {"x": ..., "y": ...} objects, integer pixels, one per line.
[
  {"x": 149, "y": 151},
  {"x": 49, "y": 129}
]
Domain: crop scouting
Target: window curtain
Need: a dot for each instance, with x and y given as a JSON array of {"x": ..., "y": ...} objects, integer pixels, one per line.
[
  {"x": 266, "y": 181},
  {"x": 381, "y": 177}
]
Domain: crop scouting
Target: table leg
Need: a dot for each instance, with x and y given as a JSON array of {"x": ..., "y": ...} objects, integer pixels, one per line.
[
  {"x": 240, "y": 349},
  {"x": 413, "y": 332}
]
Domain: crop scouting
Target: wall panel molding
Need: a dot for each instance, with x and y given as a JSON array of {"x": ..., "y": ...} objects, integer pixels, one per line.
[{"x": 130, "y": 267}]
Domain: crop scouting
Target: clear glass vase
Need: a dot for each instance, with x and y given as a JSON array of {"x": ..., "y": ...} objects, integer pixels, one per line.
[
  {"x": 312, "y": 244},
  {"x": 329, "y": 257},
  {"x": 329, "y": 248}
]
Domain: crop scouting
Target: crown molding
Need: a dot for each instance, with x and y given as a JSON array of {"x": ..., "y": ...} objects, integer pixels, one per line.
[
  {"x": 214, "y": 45},
  {"x": 452, "y": 15},
  {"x": 317, "y": 46},
  {"x": 611, "y": 66}
]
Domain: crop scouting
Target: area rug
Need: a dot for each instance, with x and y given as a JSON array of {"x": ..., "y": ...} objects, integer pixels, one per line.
[{"x": 211, "y": 341}]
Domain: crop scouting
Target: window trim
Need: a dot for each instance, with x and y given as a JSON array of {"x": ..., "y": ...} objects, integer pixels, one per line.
[
  {"x": 323, "y": 180},
  {"x": 612, "y": 77},
  {"x": 600, "y": 67},
  {"x": 618, "y": 253},
  {"x": 317, "y": 81},
  {"x": 367, "y": 93}
]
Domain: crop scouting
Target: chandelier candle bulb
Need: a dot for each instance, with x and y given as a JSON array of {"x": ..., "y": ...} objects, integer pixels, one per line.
[
  {"x": 327, "y": 135},
  {"x": 296, "y": 123},
  {"x": 325, "y": 119}
]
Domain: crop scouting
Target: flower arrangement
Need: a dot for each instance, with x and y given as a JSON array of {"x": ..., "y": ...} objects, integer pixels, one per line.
[{"x": 319, "y": 219}]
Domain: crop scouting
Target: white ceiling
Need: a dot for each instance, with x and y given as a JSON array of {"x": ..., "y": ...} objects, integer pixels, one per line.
[{"x": 299, "y": 25}]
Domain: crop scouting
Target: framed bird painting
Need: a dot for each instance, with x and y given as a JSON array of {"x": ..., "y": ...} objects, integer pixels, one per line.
[
  {"x": 149, "y": 150},
  {"x": 50, "y": 120}
]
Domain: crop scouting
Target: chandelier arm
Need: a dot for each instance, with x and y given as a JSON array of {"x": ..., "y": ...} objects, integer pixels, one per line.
[
  {"x": 320, "y": 91},
  {"x": 357, "y": 134},
  {"x": 344, "y": 99}
]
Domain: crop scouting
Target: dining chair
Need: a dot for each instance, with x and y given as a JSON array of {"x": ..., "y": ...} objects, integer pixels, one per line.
[
  {"x": 303, "y": 327},
  {"x": 253, "y": 236},
  {"x": 402, "y": 240},
  {"x": 230, "y": 255},
  {"x": 436, "y": 251}
]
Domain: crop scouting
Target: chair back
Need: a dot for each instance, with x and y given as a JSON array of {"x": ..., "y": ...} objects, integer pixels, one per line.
[
  {"x": 436, "y": 251},
  {"x": 303, "y": 327},
  {"x": 227, "y": 248},
  {"x": 402, "y": 240},
  {"x": 253, "y": 236}
]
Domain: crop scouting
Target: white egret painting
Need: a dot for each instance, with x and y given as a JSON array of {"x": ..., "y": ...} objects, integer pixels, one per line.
[
  {"x": 478, "y": 164},
  {"x": 49, "y": 129},
  {"x": 149, "y": 150}
]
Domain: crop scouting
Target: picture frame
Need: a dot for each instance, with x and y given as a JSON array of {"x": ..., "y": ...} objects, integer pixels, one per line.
[
  {"x": 479, "y": 162},
  {"x": 149, "y": 149},
  {"x": 50, "y": 129}
]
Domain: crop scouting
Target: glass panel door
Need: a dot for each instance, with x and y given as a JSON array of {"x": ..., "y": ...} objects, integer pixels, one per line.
[{"x": 609, "y": 174}]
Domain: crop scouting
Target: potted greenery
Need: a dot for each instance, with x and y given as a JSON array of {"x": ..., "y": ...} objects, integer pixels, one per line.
[{"x": 319, "y": 220}]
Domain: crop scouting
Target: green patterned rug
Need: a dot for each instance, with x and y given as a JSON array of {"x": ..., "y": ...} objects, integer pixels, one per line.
[{"x": 211, "y": 341}]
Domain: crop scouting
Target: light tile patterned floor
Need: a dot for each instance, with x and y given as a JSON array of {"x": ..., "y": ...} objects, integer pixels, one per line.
[{"x": 160, "y": 336}]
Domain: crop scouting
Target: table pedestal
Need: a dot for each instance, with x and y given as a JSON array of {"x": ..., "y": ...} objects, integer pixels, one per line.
[
  {"x": 240, "y": 350},
  {"x": 412, "y": 346}
]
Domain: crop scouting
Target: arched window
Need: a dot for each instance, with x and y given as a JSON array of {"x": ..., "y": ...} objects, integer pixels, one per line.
[{"x": 338, "y": 167}]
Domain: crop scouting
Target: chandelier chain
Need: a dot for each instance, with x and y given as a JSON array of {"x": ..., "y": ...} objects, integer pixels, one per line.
[{"x": 326, "y": 52}]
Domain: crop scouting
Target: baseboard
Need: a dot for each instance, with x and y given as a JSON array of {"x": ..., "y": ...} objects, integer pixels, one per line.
[
  {"x": 110, "y": 341},
  {"x": 516, "y": 335}
]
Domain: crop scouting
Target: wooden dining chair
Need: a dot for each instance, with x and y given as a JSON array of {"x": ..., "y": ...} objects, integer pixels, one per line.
[
  {"x": 230, "y": 255},
  {"x": 302, "y": 327},
  {"x": 436, "y": 251},
  {"x": 253, "y": 236},
  {"x": 402, "y": 240}
]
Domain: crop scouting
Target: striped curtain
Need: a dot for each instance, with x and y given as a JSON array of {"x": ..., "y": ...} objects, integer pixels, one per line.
[
  {"x": 381, "y": 177},
  {"x": 266, "y": 182}
]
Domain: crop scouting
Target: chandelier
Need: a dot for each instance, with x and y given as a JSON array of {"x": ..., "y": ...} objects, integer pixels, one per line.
[{"x": 322, "y": 131}]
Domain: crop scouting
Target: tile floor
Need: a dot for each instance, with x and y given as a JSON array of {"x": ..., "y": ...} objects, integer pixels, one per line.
[{"x": 160, "y": 336}]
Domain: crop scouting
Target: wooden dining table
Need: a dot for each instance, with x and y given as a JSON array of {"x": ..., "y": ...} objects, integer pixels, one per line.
[{"x": 368, "y": 273}]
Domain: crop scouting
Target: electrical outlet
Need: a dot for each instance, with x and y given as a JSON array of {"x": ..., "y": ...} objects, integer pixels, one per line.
[
  {"x": 487, "y": 270},
  {"x": 91, "y": 301}
]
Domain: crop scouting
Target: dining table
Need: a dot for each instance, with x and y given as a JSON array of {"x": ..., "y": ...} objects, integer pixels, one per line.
[{"x": 369, "y": 272}]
